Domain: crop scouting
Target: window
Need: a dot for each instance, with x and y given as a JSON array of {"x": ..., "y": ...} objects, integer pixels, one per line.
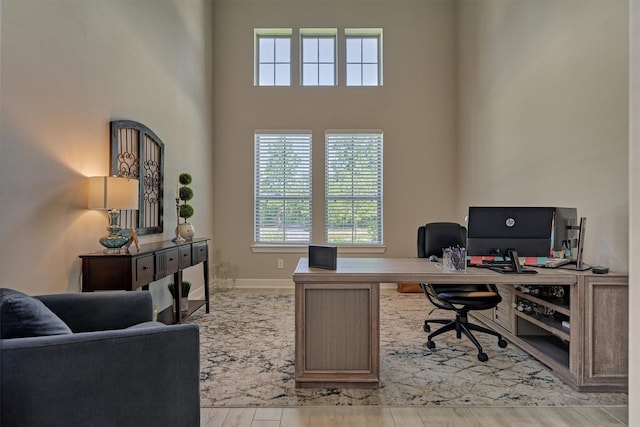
[
  {"x": 353, "y": 187},
  {"x": 282, "y": 188},
  {"x": 318, "y": 57},
  {"x": 364, "y": 57},
  {"x": 272, "y": 57}
]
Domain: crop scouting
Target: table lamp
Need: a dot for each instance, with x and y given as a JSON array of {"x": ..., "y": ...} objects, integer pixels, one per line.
[{"x": 113, "y": 193}]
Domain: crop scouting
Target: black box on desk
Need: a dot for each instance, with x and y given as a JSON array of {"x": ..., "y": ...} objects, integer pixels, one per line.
[{"x": 323, "y": 256}]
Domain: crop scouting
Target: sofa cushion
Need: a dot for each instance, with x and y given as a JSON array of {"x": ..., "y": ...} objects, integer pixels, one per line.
[{"x": 23, "y": 316}]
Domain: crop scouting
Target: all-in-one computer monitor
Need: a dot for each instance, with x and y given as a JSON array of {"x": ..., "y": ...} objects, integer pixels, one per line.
[
  {"x": 530, "y": 231},
  {"x": 493, "y": 231}
]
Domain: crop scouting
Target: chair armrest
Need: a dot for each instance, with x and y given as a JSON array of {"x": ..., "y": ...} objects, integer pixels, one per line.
[
  {"x": 143, "y": 376},
  {"x": 90, "y": 311}
]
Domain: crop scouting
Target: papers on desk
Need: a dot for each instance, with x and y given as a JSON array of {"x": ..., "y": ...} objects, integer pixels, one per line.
[{"x": 550, "y": 263}]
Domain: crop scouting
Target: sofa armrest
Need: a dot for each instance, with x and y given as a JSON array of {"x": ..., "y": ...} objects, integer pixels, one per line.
[
  {"x": 142, "y": 376},
  {"x": 85, "y": 312}
]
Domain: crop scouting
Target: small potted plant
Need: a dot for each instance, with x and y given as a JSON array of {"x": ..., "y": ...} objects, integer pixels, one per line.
[
  {"x": 184, "y": 300},
  {"x": 185, "y": 211}
]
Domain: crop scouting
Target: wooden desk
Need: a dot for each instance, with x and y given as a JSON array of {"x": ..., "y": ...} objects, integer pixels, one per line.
[
  {"x": 154, "y": 261},
  {"x": 337, "y": 315}
]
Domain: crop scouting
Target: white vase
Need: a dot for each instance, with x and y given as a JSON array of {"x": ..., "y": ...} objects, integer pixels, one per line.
[
  {"x": 184, "y": 304},
  {"x": 186, "y": 230}
]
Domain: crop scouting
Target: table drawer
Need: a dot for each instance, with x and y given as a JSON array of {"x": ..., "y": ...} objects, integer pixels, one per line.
[
  {"x": 199, "y": 252},
  {"x": 185, "y": 256},
  {"x": 144, "y": 270},
  {"x": 166, "y": 263}
]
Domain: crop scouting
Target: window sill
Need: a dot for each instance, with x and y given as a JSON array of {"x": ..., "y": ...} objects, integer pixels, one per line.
[{"x": 303, "y": 249}]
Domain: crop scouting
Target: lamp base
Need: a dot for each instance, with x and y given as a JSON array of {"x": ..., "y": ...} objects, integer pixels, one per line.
[{"x": 113, "y": 241}]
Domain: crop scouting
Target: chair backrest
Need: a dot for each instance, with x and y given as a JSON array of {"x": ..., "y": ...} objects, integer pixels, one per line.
[{"x": 435, "y": 236}]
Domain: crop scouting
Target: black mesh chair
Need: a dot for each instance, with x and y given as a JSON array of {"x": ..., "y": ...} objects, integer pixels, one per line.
[{"x": 462, "y": 298}]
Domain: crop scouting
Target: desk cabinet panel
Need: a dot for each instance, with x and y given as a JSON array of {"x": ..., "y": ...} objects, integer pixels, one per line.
[
  {"x": 337, "y": 335},
  {"x": 339, "y": 323},
  {"x": 606, "y": 345},
  {"x": 503, "y": 312}
]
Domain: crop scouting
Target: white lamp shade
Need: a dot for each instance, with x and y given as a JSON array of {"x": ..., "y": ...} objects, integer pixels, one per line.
[{"x": 110, "y": 192}]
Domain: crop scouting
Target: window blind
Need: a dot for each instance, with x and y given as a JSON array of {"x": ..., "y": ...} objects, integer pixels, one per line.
[
  {"x": 353, "y": 188},
  {"x": 282, "y": 188}
]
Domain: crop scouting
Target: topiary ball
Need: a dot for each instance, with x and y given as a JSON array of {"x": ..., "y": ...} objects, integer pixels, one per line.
[
  {"x": 186, "y": 211},
  {"x": 185, "y": 193},
  {"x": 184, "y": 179}
]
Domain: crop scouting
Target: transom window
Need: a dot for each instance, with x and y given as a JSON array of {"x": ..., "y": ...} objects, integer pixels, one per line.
[
  {"x": 273, "y": 57},
  {"x": 282, "y": 187},
  {"x": 353, "y": 187},
  {"x": 318, "y": 57},
  {"x": 364, "y": 57}
]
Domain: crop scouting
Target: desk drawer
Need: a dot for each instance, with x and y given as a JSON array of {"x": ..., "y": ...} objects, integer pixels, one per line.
[
  {"x": 144, "y": 270},
  {"x": 185, "y": 256},
  {"x": 166, "y": 263},
  {"x": 199, "y": 252}
]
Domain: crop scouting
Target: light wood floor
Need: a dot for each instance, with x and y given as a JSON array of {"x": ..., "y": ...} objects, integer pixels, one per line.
[{"x": 366, "y": 416}]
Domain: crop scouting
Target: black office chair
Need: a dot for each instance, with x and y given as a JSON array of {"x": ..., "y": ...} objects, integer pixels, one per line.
[{"x": 432, "y": 238}]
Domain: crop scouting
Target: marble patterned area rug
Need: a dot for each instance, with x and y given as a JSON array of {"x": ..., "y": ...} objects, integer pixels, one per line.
[{"x": 247, "y": 360}]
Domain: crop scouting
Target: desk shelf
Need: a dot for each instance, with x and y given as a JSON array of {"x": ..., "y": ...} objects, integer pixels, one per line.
[
  {"x": 547, "y": 323},
  {"x": 558, "y": 304},
  {"x": 584, "y": 354},
  {"x": 550, "y": 345}
]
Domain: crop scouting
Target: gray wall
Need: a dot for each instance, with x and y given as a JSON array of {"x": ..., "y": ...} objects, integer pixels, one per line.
[
  {"x": 68, "y": 67},
  {"x": 543, "y": 112},
  {"x": 415, "y": 108}
]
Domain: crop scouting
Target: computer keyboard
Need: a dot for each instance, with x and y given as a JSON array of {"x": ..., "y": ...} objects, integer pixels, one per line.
[{"x": 491, "y": 263}]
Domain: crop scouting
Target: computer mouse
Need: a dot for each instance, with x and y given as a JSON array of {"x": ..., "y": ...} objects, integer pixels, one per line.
[{"x": 433, "y": 258}]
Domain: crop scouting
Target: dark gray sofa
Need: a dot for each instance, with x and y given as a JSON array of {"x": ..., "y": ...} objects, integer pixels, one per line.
[{"x": 117, "y": 368}]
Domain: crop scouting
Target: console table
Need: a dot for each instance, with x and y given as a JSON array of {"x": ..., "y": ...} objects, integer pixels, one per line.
[
  {"x": 337, "y": 320},
  {"x": 129, "y": 271}
]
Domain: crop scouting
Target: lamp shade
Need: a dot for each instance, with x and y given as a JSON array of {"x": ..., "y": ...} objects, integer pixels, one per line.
[{"x": 110, "y": 192}]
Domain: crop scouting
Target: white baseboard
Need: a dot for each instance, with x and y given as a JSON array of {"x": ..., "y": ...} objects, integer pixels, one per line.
[{"x": 265, "y": 283}]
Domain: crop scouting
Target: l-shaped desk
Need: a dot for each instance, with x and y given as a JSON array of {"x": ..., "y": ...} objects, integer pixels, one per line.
[{"x": 337, "y": 315}]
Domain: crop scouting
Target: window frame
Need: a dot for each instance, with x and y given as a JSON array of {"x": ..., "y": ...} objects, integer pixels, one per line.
[
  {"x": 356, "y": 137},
  {"x": 301, "y": 144},
  {"x": 272, "y": 33},
  {"x": 318, "y": 34},
  {"x": 363, "y": 34}
]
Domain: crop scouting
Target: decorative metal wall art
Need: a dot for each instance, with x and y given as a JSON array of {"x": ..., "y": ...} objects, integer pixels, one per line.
[{"x": 137, "y": 152}]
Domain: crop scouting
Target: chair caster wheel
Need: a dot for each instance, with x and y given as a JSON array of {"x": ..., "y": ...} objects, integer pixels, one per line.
[
  {"x": 502, "y": 343},
  {"x": 483, "y": 357},
  {"x": 431, "y": 345},
  {"x": 426, "y": 327}
]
